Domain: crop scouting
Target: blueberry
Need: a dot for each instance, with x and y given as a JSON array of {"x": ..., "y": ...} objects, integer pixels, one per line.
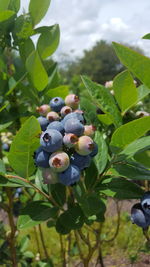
[
  {"x": 5, "y": 147},
  {"x": 73, "y": 115},
  {"x": 43, "y": 110},
  {"x": 49, "y": 176},
  {"x": 52, "y": 116},
  {"x": 138, "y": 216},
  {"x": 43, "y": 122},
  {"x": 70, "y": 140},
  {"x": 57, "y": 125},
  {"x": 145, "y": 202},
  {"x": 65, "y": 110},
  {"x": 81, "y": 162},
  {"x": 72, "y": 101},
  {"x": 56, "y": 104},
  {"x": 95, "y": 151},
  {"x": 51, "y": 140},
  {"x": 89, "y": 130},
  {"x": 59, "y": 161},
  {"x": 74, "y": 126},
  {"x": 42, "y": 158},
  {"x": 84, "y": 146},
  {"x": 70, "y": 175}
]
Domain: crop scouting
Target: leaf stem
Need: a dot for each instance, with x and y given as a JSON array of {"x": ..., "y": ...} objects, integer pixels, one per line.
[{"x": 34, "y": 186}]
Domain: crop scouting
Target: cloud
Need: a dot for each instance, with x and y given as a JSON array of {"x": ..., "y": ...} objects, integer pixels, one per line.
[{"x": 82, "y": 23}]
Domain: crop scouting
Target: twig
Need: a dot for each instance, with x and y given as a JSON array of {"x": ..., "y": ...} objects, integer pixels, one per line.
[
  {"x": 43, "y": 243},
  {"x": 12, "y": 226},
  {"x": 35, "y": 187}
]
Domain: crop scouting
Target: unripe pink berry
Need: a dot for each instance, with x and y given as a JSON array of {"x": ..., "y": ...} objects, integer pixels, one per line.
[
  {"x": 59, "y": 161},
  {"x": 72, "y": 101},
  {"x": 49, "y": 176},
  {"x": 79, "y": 111},
  {"x": 70, "y": 140},
  {"x": 65, "y": 110},
  {"x": 89, "y": 130},
  {"x": 52, "y": 116},
  {"x": 84, "y": 146},
  {"x": 43, "y": 110}
]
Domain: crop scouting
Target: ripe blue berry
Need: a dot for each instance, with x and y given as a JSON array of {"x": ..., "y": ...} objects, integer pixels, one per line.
[
  {"x": 145, "y": 202},
  {"x": 84, "y": 146},
  {"x": 81, "y": 162},
  {"x": 51, "y": 140},
  {"x": 70, "y": 175},
  {"x": 138, "y": 216},
  {"x": 56, "y": 104},
  {"x": 5, "y": 147},
  {"x": 74, "y": 126},
  {"x": 42, "y": 158},
  {"x": 43, "y": 122},
  {"x": 72, "y": 101},
  {"x": 56, "y": 125},
  {"x": 73, "y": 115},
  {"x": 59, "y": 161}
]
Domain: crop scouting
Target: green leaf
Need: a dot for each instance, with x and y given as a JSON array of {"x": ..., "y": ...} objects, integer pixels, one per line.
[
  {"x": 130, "y": 131},
  {"x": 38, "y": 9},
  {"x": 136, "y": 147},
  {"x": 12, "y": 182},
  {"x": 91, "y": 204},
  {"x": 103, "y": 99},
  {"x": 5, "y": 15},
  {"x": 48, "y": 41},
  {"x": 104, "y": 118},
  {"x": 142, "y": 91},
  {"x": 131, "y": 170},
  {"x": 102, "y": 156},
  {"x": 4, "y": 5},
  {"x": 2, "y": 168},
  {"x": 91, "y": 174},
  {"x": 61, "y": 91},
  {"x": 58, "y": 192},
  {"x": 69, "y": 220},
  {"x": 13, "y": 84},
  {"x": 23, "y": 146},
  {"x": 36, "y": 71},
  {"x": 5, "y": 125},
  {"x": 135, "y": 62},
  {"x": 143, "y": 158},
  {"x": 35, "y": 213},
  {"x": 14, "y": 5},
  {"x": 26, "y": 48},
  {"x": 89, "y": 111},
  {"x": 146, "y": 36},
  {"x": 121, "y": 188},
  {"x": 125, "y": 90}
]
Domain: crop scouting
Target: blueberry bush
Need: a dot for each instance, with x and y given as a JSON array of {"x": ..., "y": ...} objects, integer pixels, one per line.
[{"x": 64, "y": 155}]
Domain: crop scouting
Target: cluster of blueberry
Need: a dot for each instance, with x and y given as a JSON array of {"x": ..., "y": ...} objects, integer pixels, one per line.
[
  {"x": 6, "y": 139},
  {"x": 67, "y": 146},
  {"x": 140, "y": 212}
]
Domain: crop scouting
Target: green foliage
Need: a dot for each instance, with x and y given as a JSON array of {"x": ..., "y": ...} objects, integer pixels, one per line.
[
  {"x": 125, "y": 90},
  {"x": 129, "y": 132},
  {"x": 135, "y": 62},
  {"x": 35, "y": 213},
  {"x": 23, "y": 147},
  {"x": 102, "y": 156},
  {"x": 38, "y": 10},
  {"x": 103, "y": 99},
  {"x": 34, "y": 65}
]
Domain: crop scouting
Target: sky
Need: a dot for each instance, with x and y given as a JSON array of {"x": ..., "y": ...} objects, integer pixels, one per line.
[{"x": 84, "y": 22}]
